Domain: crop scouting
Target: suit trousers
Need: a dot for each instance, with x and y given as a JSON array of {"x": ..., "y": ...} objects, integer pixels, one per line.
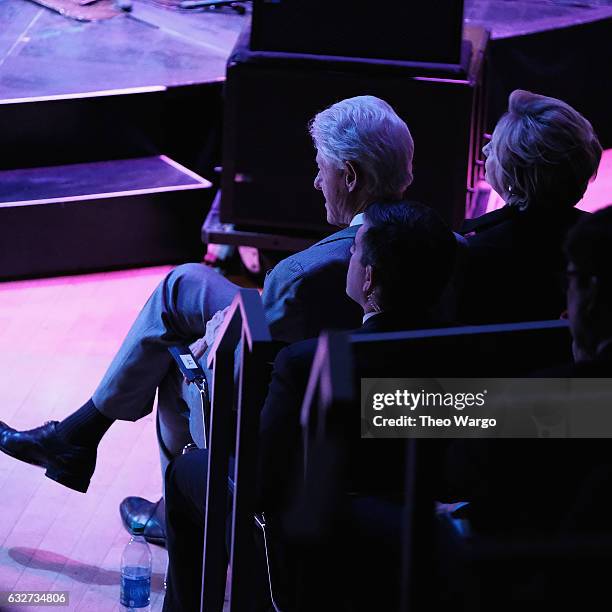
[
  {"x": 176, "y": 313},
  {"x": 185, "y": 498},
  {"x": 185, "y": 512}
]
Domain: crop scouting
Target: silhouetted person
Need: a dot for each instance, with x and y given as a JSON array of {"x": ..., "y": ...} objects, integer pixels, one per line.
[{"x": 532, "y": 485}]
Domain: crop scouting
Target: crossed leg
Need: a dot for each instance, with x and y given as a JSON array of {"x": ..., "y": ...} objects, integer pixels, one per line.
[{"x": 176, "y": 313}]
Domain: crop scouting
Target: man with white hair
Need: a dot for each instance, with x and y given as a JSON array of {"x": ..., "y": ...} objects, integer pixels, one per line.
[{"x": 364, "y": 154}]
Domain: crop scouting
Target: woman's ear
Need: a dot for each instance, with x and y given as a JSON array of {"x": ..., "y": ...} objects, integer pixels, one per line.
[{"x": 350, "y": 176}]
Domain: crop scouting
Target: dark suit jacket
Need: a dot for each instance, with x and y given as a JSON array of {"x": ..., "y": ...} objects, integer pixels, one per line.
[
  {"x": 279, "y": 442},
  {"x": 514, "y": 265},
  {"x": 304, "y": 293},
  {"x": 534, "y": 484}
]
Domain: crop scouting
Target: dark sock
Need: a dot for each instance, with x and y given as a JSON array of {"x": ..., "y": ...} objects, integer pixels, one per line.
[{"x": 85, "y": 427}]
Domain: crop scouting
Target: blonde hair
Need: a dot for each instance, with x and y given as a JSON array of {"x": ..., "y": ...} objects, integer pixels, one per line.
[{"x": 547, "y": 151}]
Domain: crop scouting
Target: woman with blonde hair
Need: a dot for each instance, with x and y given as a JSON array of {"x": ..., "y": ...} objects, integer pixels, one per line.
[{"x": 540, "y": 159}]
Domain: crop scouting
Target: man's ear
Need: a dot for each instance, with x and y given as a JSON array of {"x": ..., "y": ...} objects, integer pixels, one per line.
[
  {"x": 350, "y": 175},
  {"x": 368, "y": 280}
]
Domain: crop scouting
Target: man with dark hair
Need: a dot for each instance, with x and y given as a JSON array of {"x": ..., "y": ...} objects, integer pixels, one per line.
[
  {"x": 397, "y": 238},
  {"x": 401, "y": 260}
]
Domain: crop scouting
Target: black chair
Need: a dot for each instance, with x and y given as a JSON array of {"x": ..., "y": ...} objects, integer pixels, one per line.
[
  {"x": 237, "y": 395},
  {"x": 546, "y": 572},
  {"x": 415, "y": 353},
  {"x": 510, "y": 350}
]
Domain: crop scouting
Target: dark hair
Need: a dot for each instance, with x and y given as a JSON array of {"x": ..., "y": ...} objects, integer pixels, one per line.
[
  {"x": 589, "y": 247},
  {"x": 412, "y": 252}
]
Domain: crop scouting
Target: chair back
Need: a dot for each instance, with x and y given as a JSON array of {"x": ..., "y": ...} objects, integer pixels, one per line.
[
  {"x": 331, "y": 408},
  {"x": 243, "y": 340}
]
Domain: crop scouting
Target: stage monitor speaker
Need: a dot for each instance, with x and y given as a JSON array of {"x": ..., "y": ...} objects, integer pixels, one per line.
[
  {"x": 404, "y": 30},
  {"x": 268, "y": 155}
]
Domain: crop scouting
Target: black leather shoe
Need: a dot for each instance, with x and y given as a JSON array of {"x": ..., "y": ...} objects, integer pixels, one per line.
[
  {"x": 65, "y": 463},
  {"x": 137, "y": 511}
]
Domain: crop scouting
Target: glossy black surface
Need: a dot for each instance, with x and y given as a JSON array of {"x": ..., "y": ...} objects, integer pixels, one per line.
[
  {"x": 140, "y": 516},
  {"x": 67, "y": 464},
  {"x": 93, "y": 178}
]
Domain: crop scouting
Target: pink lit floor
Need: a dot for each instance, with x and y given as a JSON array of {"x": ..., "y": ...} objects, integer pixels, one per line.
[{"x": 56, "y": 338}]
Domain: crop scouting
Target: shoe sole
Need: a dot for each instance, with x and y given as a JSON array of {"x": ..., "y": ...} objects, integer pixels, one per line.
[
  {"x": 157, "y": 541},
  {"x": 55, "y": 474},
  {"x": 67, "y": 480}
]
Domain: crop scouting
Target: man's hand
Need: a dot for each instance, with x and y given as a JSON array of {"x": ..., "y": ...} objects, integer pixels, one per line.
[{"x": 199, "y": 347}]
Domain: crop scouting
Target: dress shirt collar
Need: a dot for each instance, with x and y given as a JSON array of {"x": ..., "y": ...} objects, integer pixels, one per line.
[
  {"x": 369, "y": 315},
  {"x": 357, "y": 220}
]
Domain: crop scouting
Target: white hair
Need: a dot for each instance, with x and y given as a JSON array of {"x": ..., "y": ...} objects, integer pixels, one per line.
[{"x": 367, "y": 131}]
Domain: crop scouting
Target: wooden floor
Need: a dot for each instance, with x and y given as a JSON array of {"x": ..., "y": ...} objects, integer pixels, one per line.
[{"x": 56, "y": 338}]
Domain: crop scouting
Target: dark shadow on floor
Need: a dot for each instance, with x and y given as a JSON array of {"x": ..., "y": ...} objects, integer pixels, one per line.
[{"x": 81, "y": 572}]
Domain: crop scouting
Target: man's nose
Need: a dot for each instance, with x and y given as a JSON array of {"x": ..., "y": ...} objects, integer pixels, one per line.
[{"x": 317, "y": 181}]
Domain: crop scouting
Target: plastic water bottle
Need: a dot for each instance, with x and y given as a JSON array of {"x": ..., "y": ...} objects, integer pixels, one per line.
[{"x": 136, "y": 574}]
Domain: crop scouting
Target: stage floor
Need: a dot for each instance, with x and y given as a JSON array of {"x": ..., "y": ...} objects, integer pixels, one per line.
[
  {"x": 508, "y": 18},
  {"x": 43, "y": 53},
  {"x": 53, "y": 538}
]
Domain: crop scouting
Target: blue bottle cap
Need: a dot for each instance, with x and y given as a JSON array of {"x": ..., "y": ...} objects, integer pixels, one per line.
[{"x": 137, "y": 529}]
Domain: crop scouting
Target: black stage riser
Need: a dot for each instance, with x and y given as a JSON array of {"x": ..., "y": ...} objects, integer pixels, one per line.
[
  {"x": 77, "y": 237},
  {"x": 413, "y": 31},
  {"x": 182, "y": 122},
  {"x": 61, "y": 158}
]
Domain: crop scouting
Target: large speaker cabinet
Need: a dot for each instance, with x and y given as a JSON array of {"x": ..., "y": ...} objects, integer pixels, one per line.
[
  {"x": 268, "y": 156},
  {"x": 408, "y": 30}
]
